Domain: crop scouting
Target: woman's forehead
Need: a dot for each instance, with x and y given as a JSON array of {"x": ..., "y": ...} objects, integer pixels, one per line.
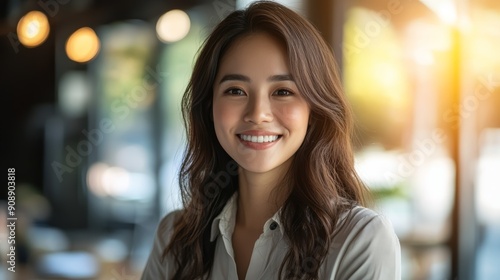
[{"x": 255, "y": 52}]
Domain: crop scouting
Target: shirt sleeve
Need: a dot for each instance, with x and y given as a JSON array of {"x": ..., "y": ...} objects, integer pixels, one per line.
[
  {"x": 157, "y": 267},
  {"x": 372, "y": 252}
]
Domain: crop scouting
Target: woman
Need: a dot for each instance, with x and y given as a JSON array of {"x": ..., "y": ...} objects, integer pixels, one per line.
[{"x": 268, "y": 180}]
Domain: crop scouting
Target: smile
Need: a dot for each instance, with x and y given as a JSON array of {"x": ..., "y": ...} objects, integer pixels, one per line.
[{"x": 259, "y": 139}]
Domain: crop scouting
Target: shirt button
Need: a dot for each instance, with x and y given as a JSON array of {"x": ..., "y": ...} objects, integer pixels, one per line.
[{"x": 273, "y": 225}]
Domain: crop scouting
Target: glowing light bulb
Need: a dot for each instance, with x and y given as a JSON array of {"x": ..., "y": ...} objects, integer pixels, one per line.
[
  {"x": 83, "y": 45},
  {"x": 33, "y": 29},
  {"x": 173, "y": 26}
]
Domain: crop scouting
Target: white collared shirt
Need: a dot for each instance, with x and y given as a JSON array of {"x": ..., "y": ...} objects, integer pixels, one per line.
[{"x": 366, "y": 247}]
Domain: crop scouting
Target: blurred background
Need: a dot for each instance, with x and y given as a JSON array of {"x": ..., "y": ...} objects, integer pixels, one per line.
[{"x": 91, "y": 93}]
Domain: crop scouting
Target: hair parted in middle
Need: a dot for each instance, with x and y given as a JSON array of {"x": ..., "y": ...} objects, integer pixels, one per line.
[{"x": 322, "y": 181}]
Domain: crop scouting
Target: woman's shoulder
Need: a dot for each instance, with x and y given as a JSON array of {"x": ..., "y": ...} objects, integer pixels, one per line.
[
  {"x": 155, "y": 267},
  {"x": 359, "y": 219},
  {"x": 363, "y": 236},
  {"x": 166, "y": 227},
  {"x": 169, "y": 219}
]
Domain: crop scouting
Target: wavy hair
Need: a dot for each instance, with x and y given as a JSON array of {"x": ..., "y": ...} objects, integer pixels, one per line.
[{"x": 322, "y": 180}]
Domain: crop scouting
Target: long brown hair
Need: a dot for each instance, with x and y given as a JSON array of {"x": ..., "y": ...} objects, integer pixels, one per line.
[{"x": 322, "y": 180}]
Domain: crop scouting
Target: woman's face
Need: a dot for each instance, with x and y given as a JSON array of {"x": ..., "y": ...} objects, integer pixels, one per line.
[{"x": 259, "y": 115}]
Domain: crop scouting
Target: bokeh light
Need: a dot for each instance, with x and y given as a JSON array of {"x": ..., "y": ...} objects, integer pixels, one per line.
[
  {"x": 94, "y": 178},
  {"x": 173, "y": 26},
  {"x": 33, "y": 29},
  {"x": 83, "y": 45}
]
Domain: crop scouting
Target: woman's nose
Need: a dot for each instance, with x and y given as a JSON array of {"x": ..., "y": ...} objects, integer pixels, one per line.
[{"x": 258, "y": 110}]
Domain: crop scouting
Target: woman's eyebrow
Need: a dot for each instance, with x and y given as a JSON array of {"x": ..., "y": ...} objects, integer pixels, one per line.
[
  {"x": 279, "y": 78},
  {"x": 243, "y": 78},
  {"x": 234, "y": 77}
]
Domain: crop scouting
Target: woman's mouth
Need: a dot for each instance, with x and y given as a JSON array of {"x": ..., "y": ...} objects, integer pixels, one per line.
[{"x": 259, "y": 139}]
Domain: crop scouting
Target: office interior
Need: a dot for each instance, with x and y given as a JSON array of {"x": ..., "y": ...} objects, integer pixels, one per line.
[{"x": 93, "y": 131}]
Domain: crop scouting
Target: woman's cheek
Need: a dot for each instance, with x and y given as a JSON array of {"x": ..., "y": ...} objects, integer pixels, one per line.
[
  {"x": 225, "y": 112},
  {"x": 296, "y": 113}
]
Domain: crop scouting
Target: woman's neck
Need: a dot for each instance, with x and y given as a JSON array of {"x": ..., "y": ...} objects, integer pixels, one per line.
[{"x": 258, "y": 199}]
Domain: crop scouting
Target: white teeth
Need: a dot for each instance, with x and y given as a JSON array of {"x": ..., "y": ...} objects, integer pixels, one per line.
[{"x": 259, "y": 139}]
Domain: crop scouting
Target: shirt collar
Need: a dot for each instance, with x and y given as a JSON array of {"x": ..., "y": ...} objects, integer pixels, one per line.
[{"x": 224, "y": 222}]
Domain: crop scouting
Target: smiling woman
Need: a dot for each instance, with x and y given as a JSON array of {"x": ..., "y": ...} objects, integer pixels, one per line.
[
  {"x": 255, "y": 97},
  {"x": 265, "y": 97}
]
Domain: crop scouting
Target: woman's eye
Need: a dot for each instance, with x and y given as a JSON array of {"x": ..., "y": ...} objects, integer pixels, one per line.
[
  {"x": 235, "y": 91},
  {"x": 283, "y": 92}
]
